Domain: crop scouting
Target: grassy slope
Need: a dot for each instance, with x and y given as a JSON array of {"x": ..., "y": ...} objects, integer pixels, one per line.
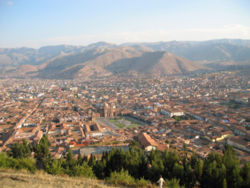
[{"x": 21, "y": 179}]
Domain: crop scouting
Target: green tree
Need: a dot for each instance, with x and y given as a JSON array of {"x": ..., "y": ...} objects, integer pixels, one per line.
[
  {"x": 133, "y": 161},
  {"x": 170, "y": 157},
  {"x": 92, "y": 160},
  {"x": 198, "y": 169},
  {"x": 20, "y": 150},
  {"x": 232, "y": 167},
  {"x": 115, "y": 161},
  {"x": 157, "y": 165},
  {"x": 99, "y": 168},
  {"x": 245, "y": 174},
  {"x": 214, "y": 171},
  {"x": 54, "y": 167},
  {"x": 178, "y": 171},
  {"x": 194, "y": 160},
  {"x": 42, "y": 153}
]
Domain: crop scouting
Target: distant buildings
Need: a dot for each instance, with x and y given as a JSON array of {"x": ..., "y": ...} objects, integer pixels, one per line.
[{"x": 202, "y": 112}]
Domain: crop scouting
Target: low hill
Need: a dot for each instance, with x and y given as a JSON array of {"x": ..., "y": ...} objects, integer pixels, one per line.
[{"x": 155, "y": 63}]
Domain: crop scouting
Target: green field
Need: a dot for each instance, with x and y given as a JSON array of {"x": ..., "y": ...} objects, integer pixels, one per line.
[{"x": 124, "y": 122}]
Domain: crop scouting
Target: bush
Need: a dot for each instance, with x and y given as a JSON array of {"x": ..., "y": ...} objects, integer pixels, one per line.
[
  {"x": 7, "y": 162},
  {"x": 54, "y": 167},
  {"x": 23, "y": 163},
  {"x": 173, "y": 183},
  {"x": 26, "y": 163},
  {"x": 121, "y": 178},
  {"x": 142, "y": 183},
  {"x": 82, "y": 170}
]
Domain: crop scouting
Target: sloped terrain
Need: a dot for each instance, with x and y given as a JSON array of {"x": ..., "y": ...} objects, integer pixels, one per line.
[
  {"x": 22, "y": 179},
  {"x": 104, "y": 59}
]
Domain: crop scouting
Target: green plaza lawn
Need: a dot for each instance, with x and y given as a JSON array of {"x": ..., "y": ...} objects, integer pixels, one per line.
[{"x": 125, "y": 122}]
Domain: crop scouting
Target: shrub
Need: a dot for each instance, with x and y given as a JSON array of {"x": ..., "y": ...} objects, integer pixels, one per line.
[
  {"x": 54, "y": 167},
  {"x": 173, "y": 183},
  {"x": 7, "y": 162},
  {"x": 143, "y": 183},
  {"x": 23, "y": 163},
  {"x": 82, "y": 170},
  {"x": 121, "y": 178},
  {"x": 26, "y": 163}
]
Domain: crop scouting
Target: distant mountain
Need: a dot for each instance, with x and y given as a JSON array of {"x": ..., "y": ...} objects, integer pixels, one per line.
[
  {"x": 85, "y": 64},
  {"x": 154, "y": 63},
  {"x": 105, "y": 59},
  {"x": 235, "y": 50}
]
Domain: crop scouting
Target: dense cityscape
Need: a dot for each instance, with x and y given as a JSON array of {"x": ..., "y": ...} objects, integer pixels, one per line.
[
  {"x": 135, "y": 93},
  {"x": 200, "y": 113}
]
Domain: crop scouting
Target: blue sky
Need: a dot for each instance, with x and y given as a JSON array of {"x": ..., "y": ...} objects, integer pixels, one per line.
[{"x": 35, "y": 23}]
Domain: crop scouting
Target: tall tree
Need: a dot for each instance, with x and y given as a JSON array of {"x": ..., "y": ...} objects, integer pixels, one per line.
[
  {"x": 232, "y": 167},
  {"x": 42, "y": 153},
  {"x": 245, "y": 174},
  {"x": 20, "y": 150}
]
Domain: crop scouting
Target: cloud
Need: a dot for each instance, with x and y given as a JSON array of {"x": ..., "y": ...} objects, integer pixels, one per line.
[
  {"x": 226, "y": 31},
  {"x": 188, "y": 34},
  {"x": 10, "y": 3}
]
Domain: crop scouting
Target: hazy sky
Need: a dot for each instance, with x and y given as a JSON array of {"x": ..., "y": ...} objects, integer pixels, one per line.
[{"x": 35, "y": 23}]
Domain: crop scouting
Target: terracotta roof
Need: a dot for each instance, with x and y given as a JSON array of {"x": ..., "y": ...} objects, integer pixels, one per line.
[{"x": 145, "y": 140}]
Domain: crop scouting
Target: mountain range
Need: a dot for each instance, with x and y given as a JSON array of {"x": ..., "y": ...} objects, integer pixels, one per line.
[{"x": 105, "y": 59}]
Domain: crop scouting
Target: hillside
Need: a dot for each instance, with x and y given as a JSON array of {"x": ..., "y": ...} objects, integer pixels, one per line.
[
  {"x": 154, "y": 63},
  {"x": 22, "y": 179},
  {"x": 104, "y": 59},
  {"x": 105, "y": 62},
  {"x": 205, "y": 51}
]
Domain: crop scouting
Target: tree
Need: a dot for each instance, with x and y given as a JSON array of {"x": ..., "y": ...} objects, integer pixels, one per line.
[
  {"x": 245, "y": 174},
  {"x": 54, "y": 167},
  {"x": 198, "y": 169},
  {"x": 99, "y": 168},
  {"x": 170, "y": 157},
  {"x": 42, "y": 153},
  {"x": 92, "y": 160},
  {"x": 69, "y": 163},
  {"x": 115, "y": 161},
  {"x": 214, "y": 171},
  {"x": 194, "y": 160},
  {"x": 178, "y": 171},
  {"x": 22, "y": 150},
  {"x": 157, "y": 165},
  {"x": 70, "y": 157},
  {"x": 232, "y": 167}
]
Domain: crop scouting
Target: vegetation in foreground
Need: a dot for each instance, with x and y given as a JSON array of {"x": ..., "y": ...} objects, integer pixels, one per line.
[
  {"x": 10, "y": 178},
  {"x": 134, "y": 167}
]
